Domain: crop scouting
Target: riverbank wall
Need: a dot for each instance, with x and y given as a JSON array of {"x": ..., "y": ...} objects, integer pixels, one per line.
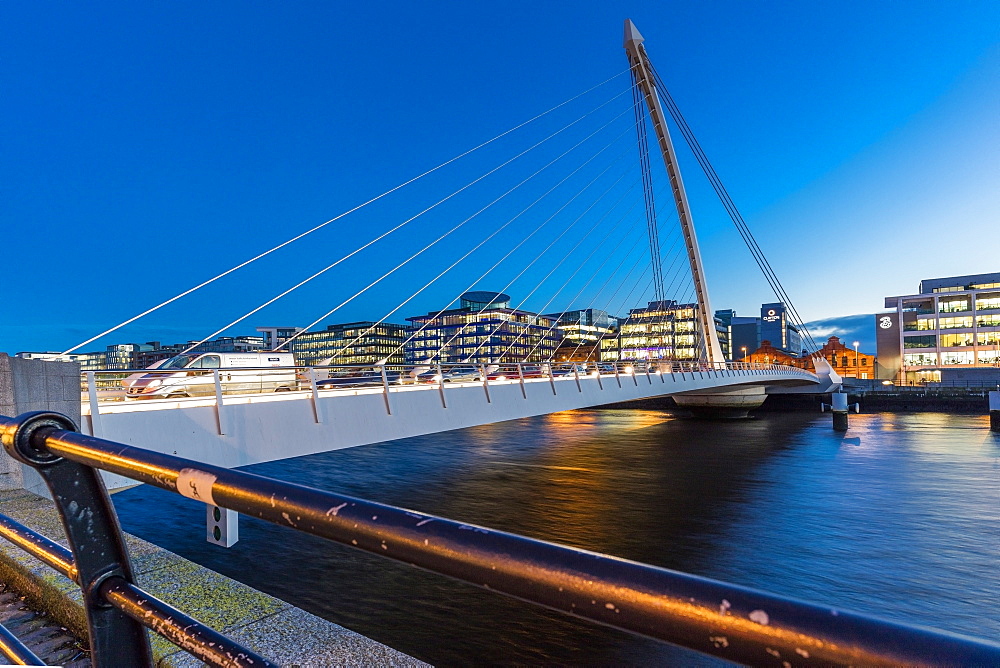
[{"x": 965, "y": 403}]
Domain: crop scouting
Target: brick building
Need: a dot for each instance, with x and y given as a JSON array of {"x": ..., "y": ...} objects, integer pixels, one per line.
[{"x": 847, "y": 362}]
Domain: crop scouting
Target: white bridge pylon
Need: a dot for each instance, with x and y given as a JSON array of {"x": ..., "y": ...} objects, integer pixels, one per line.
[
  {"x": 239, "y": 430},
  {"x": 641, "y": 71}
]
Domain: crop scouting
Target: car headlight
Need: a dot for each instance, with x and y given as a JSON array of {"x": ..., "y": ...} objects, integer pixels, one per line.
[
  {"x": 438, "y": 377},
  {"x": 156, "y": 382}
]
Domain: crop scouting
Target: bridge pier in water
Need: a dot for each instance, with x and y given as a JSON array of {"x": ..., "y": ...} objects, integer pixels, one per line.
[{"x": 722, "y": 405}]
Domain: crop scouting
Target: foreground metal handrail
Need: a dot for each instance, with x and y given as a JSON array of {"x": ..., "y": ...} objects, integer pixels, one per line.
[
  {"x": 716, "y": 618},
  {"x": 117, "y": 611},
  {"x": 15, "y": 651}
]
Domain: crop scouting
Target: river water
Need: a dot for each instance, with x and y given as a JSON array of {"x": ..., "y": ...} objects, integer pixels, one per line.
[{"x": 898, "y": 518}]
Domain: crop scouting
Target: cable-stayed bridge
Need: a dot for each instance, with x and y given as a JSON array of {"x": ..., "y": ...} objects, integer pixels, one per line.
[{"x": 567, "y": 219}]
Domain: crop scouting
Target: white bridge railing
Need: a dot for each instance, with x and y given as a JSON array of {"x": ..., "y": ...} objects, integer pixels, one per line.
[
  {"x": 238, "y": 417},
  {"x": 130, "y": 385}
]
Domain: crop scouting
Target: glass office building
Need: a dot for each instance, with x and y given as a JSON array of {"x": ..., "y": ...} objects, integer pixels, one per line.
[
  {"x": 952, "y": 325},
  {"x": 483, "y": 329},
  {"x": 351, "y": 343},
  {"x": 662, "y": 330}
]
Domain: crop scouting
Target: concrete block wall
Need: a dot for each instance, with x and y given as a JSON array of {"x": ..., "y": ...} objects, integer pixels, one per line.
[{"x": 35, "y": 385}]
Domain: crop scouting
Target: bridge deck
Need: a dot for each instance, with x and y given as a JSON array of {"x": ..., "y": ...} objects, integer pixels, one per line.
[{"x": 252, "y": 428}]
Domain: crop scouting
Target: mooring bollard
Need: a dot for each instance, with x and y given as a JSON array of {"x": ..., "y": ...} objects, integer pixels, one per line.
[{"x": 995, "y": 410}]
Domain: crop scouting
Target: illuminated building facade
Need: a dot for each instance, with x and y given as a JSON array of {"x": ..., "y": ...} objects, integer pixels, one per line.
[
  {"x": 662, "y": 330},
  {"x": 351, "y": 343},
  {"x": 583, "y": 326},
  {"x": 949, "y": 331},
  {"x": 483, "y": 329}
]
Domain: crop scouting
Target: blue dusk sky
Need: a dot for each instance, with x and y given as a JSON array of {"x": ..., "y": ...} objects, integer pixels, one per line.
[{"x": 150, "y": 146}]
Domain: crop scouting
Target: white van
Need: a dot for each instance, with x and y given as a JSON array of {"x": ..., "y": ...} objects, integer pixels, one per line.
[{"x": 192, "y": 375}]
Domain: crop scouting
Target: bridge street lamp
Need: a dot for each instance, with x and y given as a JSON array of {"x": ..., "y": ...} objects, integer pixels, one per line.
[
  {"x": 857, "y": 371},
  {"x": 743, "y": 349}
]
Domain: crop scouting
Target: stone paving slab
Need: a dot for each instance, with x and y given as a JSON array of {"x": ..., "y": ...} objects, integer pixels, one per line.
[{"x": 267, "y": 625}]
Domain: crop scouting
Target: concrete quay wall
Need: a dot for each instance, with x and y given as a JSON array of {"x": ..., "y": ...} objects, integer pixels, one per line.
[{"x": 35, "y": 385}]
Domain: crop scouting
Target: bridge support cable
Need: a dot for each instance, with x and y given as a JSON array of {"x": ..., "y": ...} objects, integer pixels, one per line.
[
  {"x": 598, "y": 246},
  {"x": 558, "y": 264},
  {"x": 486, "y": 273},
  {"x": 625, "y": 302},
  {"x": 600, "y": 291},
  {"x": 682, "y": 294},
  {"x": 623, "y": 282},
  {"x": 439, "y": 202},
  {"x": 479, "y": 245},
  {"x": 656, "y": 262},
  {"x": 358, "y": 208},
  {"x": 575, "y": 297},
  {"x": 647, "y": 189},
  {"x": 520, "y": 273},
  {"x": 731, "y": 209},
  {"x": 594, "y": 275},
  {"x": 670, "y": 290},
  {"x": 628, "y": 298}
]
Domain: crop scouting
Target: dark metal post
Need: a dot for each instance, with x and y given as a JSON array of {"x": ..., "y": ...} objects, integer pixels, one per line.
[
  {"x": 95, "y": 537},
  {"x": 995, "y": 410}
]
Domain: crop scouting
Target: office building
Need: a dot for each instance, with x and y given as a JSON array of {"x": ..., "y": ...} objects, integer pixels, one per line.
[
  {"x": 950, "y": 330},
  {"x": 121, "y": 356},
  {"x": 776, "y": 327},
  {"x": 275, "y": 336},
  {"x": 742, "y": 334},
  {"x": 351, "y": 343},
  {"x": 582, "y": 330},
  {"x": 584, "y": 326},
  {"x": 661, "y": 330},
  {"x": 484, "y": 328}
]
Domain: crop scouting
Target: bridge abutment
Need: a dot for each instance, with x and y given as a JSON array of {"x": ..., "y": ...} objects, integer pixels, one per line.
[{"x": 35, "y": 385}]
